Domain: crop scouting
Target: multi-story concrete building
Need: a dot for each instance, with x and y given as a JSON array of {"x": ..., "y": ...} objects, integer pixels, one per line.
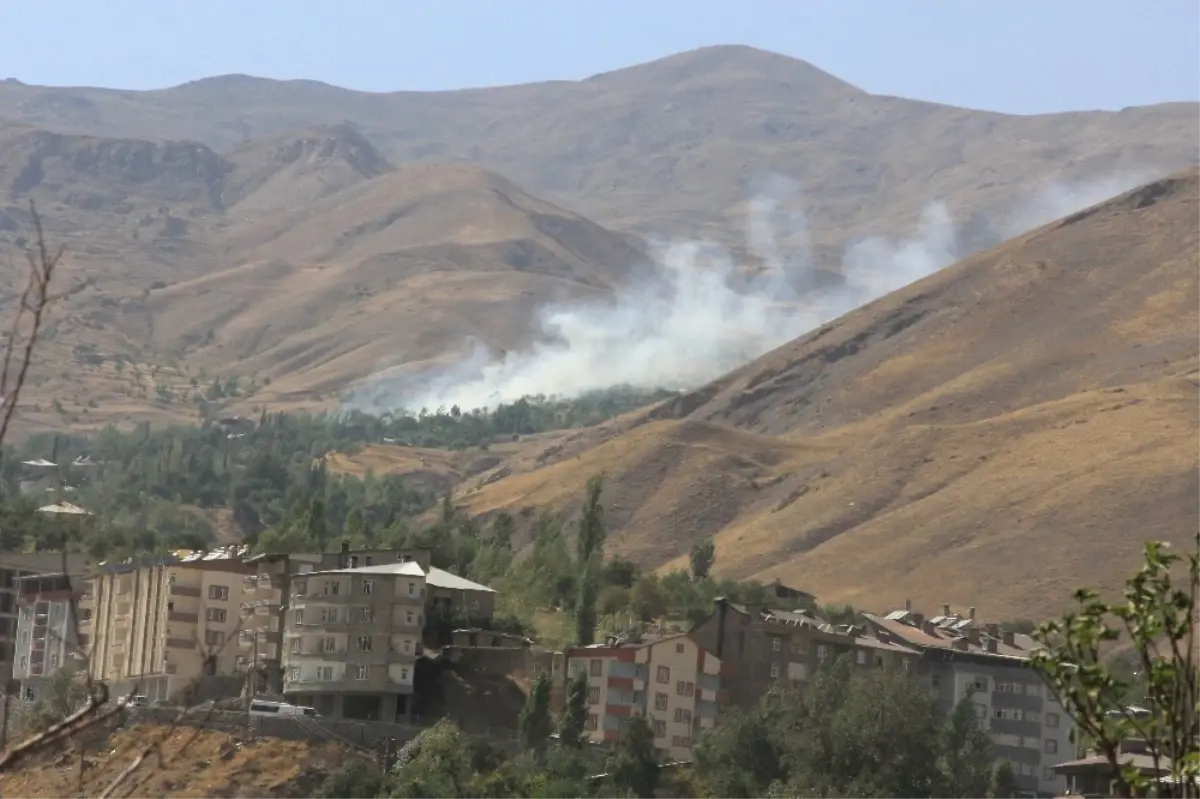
[
  {"x": 960, "y": 657},
  {"x": 46, "y": 639},
  {"x": 14, "y": 566},
  {"x": 673, "y": 682},
  {"x": 268, "y": 596},
  {"x": 157, "y": 625},
  {"x": 351, "y": 640},
  {"x": 762, "y": 647}
]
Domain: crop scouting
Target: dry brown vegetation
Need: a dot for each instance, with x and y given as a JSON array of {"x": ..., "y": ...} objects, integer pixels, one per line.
[
  {"x": 242, "y": 226},
  {"x": 216, "y": 764},
  {"x": 994, "y": 435}
]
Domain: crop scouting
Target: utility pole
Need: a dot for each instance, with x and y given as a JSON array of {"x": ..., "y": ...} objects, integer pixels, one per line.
[
  {"x": 7, "y": 690},
  {"x": 251, "y": 686}
]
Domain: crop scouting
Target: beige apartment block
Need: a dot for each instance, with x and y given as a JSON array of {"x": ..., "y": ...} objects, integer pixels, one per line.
[
  {"x": 157, "y": 626},
  {"x": 268, "y": 594},
  {"x": 351, "y": 640},
  {"x": 673, "y": 682}
]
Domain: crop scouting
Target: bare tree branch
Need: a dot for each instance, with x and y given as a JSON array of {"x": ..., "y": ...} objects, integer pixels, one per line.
[{"x": 32, "y": 306}]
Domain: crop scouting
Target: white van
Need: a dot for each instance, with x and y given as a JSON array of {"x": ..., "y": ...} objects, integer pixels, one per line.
[{"x": 260, "y": 707}]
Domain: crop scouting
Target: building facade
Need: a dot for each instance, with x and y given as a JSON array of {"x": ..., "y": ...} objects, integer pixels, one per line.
[
  {"x": 156, "y": 626},
  {"x": 762, "y": 647},
  {"x": 673, "y": 682},
  {"x": 961, "y": 658},
  {"x": 14, "y": 566},
  {"x": 269, "y": 594},
  {"x": 351, "y": 640},
  {"x": 47, "y": 638}
]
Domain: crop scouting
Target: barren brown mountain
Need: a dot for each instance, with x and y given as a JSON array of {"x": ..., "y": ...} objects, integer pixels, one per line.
[
  {"x": 674, "y": 146},
  {"x": 1029, "y": 414},
  {"x": 312, "y": 235},
  {"x": 308, "y": 261}
]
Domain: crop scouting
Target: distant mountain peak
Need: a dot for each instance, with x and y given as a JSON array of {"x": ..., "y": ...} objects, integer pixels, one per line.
[{"x": 730, "y": 61}]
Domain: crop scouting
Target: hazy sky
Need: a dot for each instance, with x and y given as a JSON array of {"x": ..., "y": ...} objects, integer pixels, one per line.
[{"x": 1020, "y": 56}]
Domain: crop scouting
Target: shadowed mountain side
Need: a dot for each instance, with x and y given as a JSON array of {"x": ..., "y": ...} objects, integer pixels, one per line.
[{"x": 995, "y": 435}]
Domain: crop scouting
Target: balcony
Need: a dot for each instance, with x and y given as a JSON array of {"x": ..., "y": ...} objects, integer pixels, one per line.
[
  {"x": 270, "y": 603},
  {"x": 266, "y": 640},
  {"x": 180, "y": 643},
  {"x": 181, "y": 617},
  {"x": 315, "y": 686},
  {"x": 376, "y": 683},
  {"x": 318, "y": 652},
  {"x": 183, "y": 590}
]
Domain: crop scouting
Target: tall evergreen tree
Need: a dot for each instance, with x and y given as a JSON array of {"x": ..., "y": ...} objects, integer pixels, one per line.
[
  {"x": 570, "y": 731},
  {"x": 315, "y": 527},
  {"x": 633, "y": 767},
  {"x": 585, "y": 607},
  {"x": 591, "y": 521},
  {"x": 535, "y": 724}
]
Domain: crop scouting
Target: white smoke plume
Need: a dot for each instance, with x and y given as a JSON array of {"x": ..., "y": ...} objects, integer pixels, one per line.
[{"x": 701, "y": 316}]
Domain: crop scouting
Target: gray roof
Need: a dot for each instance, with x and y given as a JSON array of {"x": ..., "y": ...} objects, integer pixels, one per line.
[
  {"x": 438, "y": 578},
  {"x": 407, "y": 568}
]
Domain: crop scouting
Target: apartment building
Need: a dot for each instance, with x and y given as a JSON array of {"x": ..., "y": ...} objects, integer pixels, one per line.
[
  {"x": 14, "y": 566},
  {"x": 268, "y": 595},
  {"x": 762, "y": 646},
  {"x": 960, "y": 656},
  {"x": 673, "y": 682},
  {"x": 156, "y": 625},
  {"x": 351, "y": 640},
  {"x": 46, "y": 638}
]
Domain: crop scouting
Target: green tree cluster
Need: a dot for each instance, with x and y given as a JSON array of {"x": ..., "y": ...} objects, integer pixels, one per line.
[{"x": 852, "y": 732}]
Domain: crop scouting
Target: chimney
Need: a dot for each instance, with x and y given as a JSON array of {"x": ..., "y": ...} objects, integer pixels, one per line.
[
  {"x": 946, "y": 610},
  {"x": 993, "y": 630},
  {"x": 1009, "y": 638},
  {"x": 991, "y": 645},
  {"x": 929, "y": 628},
  {"x": 908, "y": 605},
  {"x": 971, "y": 614},
  {"x": 918, "y": 620},
  {"x": 973, "y": 636},
  {"x": 344, "y": 555}
]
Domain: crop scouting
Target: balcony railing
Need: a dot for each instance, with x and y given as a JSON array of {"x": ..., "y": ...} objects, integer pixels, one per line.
[
  {"x": 255, "y": 604},
  {"x": 317, "y": 652}
]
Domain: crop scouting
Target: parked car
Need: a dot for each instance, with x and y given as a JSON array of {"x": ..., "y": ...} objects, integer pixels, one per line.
[{"x": 260, "y": 707}]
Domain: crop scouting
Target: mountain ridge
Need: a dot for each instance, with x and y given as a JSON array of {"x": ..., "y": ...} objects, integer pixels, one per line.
[{"x": 672, "y": 146}]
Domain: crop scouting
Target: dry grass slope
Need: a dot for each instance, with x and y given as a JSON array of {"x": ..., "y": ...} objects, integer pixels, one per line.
[
  {"x": 995, "y": 435},
  {"x": 268, "y": 767},
  {"x": 387, "y": 266},
  {"x": 315, "y": 235}
]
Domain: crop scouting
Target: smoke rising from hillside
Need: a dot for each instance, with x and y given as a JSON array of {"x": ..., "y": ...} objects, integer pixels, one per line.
[{"x": 700, "y": 316}]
